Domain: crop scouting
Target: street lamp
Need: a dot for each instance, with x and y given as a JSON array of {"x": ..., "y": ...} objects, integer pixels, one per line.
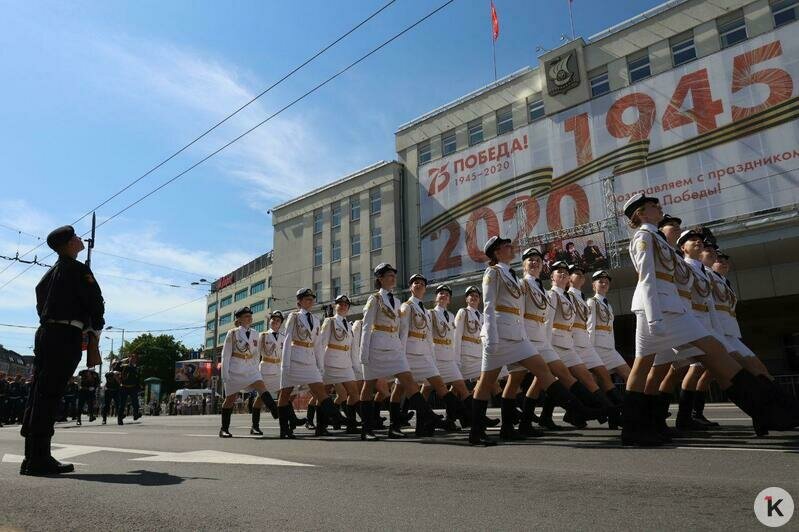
[
  {"x": 122, "y": 347},
  {"x": 210, "y": 286}
]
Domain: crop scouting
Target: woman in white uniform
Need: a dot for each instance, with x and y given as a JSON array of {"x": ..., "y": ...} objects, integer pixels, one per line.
[
  {"x": 468, "y": 322},
  {"x": 357, "y": 369},
  {"x": 505, "y": 341},
  {"x": 270, "y": 346},
  {"x": 663, "y": 323},
  {"x": 382, "y": 351},
  {"x": 240, "y": 367},
  {"x": 600, "y": 326},
  {"x": 336, "y": 344},
  {"x": 302, "y": 365}
]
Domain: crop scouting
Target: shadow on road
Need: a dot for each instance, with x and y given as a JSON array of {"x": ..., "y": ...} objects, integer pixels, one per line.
[{"x": 140, "y": 477}]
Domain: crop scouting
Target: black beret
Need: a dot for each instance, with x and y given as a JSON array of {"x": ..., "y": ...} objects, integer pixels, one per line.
[
  {"x": 637, "y": 201},
  {"x": 305, "y": 292},
  {"x": 242, "y": 311},
  {"x": 59, "y": 237},
  {"x": 384, "y": 267},
  {"x": 418, "y": 276}
]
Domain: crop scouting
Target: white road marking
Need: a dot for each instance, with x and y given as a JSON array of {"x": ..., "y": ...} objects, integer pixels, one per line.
[{"x": 755, "y": 449}]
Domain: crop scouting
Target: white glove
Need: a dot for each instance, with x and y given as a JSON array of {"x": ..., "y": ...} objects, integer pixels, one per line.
[{"x": 657, "y": 328}]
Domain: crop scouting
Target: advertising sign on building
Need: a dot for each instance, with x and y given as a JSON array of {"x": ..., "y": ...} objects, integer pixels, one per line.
[{"x": 714, "y": 139}]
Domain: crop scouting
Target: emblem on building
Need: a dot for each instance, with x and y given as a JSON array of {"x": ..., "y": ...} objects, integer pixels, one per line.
[{"x": 562, "y": 73}]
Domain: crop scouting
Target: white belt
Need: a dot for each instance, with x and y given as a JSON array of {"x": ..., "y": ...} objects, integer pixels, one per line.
[{"x": 74, "y": 323}]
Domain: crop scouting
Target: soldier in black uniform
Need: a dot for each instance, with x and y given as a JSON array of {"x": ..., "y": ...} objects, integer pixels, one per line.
[
  {"x": 130, "y": 388},
  {"x": 69, "y": 302},
  {"x": 89, "y": 382},
  {"x": 112, "y": 379},
  {"x": 16, "y": 399},
  {"x": 3, "y": 398}
]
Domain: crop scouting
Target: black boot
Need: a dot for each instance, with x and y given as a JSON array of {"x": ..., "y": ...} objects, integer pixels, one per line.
[
  {"x": 425, "y": 417},
  {"x": 763, "y": 402},
  {"x": 294, "y": 421},
  {"x": 256, "y": 422},
  {"x": 610, "y": 409},
  {"x": 41, "y": 462},
  {"x": 352, "y": 422},
  {"x": 284, "y": 420},
  {"x": 269, "y": 403},
  {"x": 465, "y": 412},
  {"x": 698, "y": 413},
  {"x": 309, "y": 415},
  {"x": 685, "y": 420},
  {"x": 526, "y": 428},
  {"x": 451, "y": 406},
  {"x": 367, "y": 415},
  {"x": 224, "y": 432},
  {"x": 507, "y": 432},
  {"x": 548, "y": 407},
  {"x": 617, "y": 400},
  {"x": 477, "y": 435},
  {"x": 326, "y": 413},
  {"x": 378, "y": 421},
  {"x": 28, "y": 445},
  {"x": 407, "y": 414},
  {"x": 594, "y": 406},
  {"x": 637, "y": 427},
  {"x": 660, "y": 406},
  {"x": 395, "y": 422}
]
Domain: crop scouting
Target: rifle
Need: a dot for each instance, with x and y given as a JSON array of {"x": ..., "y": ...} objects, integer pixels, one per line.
[{"x": 92, "y": 340}]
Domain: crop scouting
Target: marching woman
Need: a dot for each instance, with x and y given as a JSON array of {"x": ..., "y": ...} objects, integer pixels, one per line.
[
  {"x": 600, "y": 326},
  {"x": 302, "y": 364},
  {"x": 662, "y": 323},
  {"x": 240, "y": 369},
  {"x": 335, "y": 345},
  {"x": 382, "y": 353},
  {"x": 505, "y": 341},
  {"x": 270, "y": 346},
  {"x": 468, "y": 322},
  {"x": 416, "y": 335},
  {"x": 357, "y": 370}
]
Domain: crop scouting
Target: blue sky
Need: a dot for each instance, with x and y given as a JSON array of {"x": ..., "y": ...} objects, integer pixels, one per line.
[{"x": 96, "y": 93}]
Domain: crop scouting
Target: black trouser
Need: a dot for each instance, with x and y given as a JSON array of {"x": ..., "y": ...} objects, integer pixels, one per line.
[
  {"x": 110, "y": 395},
  {"x": 86, "y": 397},
  {"x": 124, "y": 393},
  {"x": 57, "y": 350}
]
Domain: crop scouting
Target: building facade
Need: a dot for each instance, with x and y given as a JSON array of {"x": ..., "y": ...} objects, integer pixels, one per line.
[
  {"x": 331, "y": 238},
  {"x": 692, "y": 101},
  {"x": 250, "y": 285}
]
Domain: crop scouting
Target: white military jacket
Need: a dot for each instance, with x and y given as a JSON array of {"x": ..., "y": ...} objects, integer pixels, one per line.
[
  {"x": 335, "y": 342},
  {"x": 416, "y": 328},
  {"x": 600, "y": 322},
  {"x": 380, "y": 325},
  {"x": 270, "y": 344},
  {"x": 443, "y": 334},
  {"x": 502, "y": 305},
  {"x": 301, "y": 343},
  {"x": 239, "y": 351},
  {"x": 581, "y": 311},
  {"x": 466, "y": 342},
  {"x": 654, "y": 260},
  {"x": 536, "y": 308},
  {"x": 726, "y": 300},
  {"x": 560, "y": 319},
  {"x": 702, "y": 302},
  {"x": 355, "y": 352}
]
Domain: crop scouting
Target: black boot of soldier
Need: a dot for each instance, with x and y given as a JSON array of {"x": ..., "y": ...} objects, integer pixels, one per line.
[
  {"x": 451, "y": 408},
  {"x": 477, "y": 434},
  {"x": 685, "y": 420},
  {"x": 41, "y": 463},
  {"x": 269, "y": 403},
  {"x": 395, "y": 422},
  {"x": 507, "y": 432},
  {"x": 526, "y": 428},
  {"x": 367, "y": 415},
  {"x": 547, "y": 408},
  {"x": 284, "y": 420},
  {"x": 699, "y": 410},
  {"x": 224, "y": 432},
  {"x": 309, "y": 416},
  {"x": 637, "y": 428},
  {"x": 256, "y": 422}
]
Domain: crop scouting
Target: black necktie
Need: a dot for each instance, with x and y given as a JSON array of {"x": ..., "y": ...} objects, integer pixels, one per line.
[
  {"x": 478, "y": 314},
  {"x": 662, "y": 235},
  {"x": 605, "y": 300},
  {"x": 446, "y": 316},
  {"x": 310, "y": 320},
  {"x": 345, "y": 325},
  {"x": 247, "y": 334},
  {"x": 421, "y": 306},
  {"x": 513, "y": 274},
  {"x": 391, "y": 300},
  {"x": 540, "y": 284},
  {"x": 275, "y": 335}
]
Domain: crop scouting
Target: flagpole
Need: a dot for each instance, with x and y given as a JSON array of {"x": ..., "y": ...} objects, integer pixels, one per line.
[
  {"x": 493, "y": 38},
  {"x": 571, "y": 18},
  {"x": 494, "y": 53}
]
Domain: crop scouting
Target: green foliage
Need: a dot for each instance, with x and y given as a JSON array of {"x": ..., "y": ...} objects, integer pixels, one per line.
[{"x": 157, "y": 357}]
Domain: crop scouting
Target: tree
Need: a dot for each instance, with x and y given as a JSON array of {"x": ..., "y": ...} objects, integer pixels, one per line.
[{"x": 157, "y": 356}]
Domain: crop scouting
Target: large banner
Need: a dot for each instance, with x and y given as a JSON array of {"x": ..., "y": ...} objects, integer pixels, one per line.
[{"x": 713, "y": 139}]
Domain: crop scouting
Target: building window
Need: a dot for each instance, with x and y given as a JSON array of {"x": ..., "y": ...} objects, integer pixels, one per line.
[
  {"x": 377, "y": 238},
  {"x": 375, "y": 201},
  {"x": 535, "y": 109},
  {"x": 355, "y": 244},
  {"x": 504, "y": 120},
  {"x": 241, "y": 294},
  {"x": 269, "y": 301},
  {"x": 638, "y": 67},
  {"x": 335, "y": 250},
  {"x": 225, "y": 301},
  {"x": 317, "y": 289},
  {"x": 355, "y": 282},
  {"x": 211, "y": 308},
  {"x": 317, "y": 222},
  {"x": 209, "y": 342},
  {"x": 355, "y": 208},
  {"x": 221, "y": 338},
  {"x": 317, "y": 256},
  {"x": 682, "y": 49},
  {"x": 335, "y": 215},
  {"x": 732, "y": 29},
  {"x": 227, "y": 318},
  {"x": 425, "y": 152},
  {"x": 448, "y": 143},
  {"x": 258, "y": 307},
  {"x": 260, "y": 286},
  {"x": 268, "y": 282},
  {"x": 258, "y": 326},
  {"x": 475, "y": 128},
  {"x": 335, "y": 287},
  {"x": 784, "y": 11},
  {"x": 600, "y": 84},
  {"x": 209, "y": 326}
]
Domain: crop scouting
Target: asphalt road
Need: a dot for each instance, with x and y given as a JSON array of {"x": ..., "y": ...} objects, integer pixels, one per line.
[{"x": 175, "y": 473}]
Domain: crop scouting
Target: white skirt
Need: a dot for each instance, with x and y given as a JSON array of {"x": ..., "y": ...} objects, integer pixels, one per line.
[
  {"x": 272, "y": 382},
  {"x": 449, "y": 371},
  {"x": 610, "y": 357},
  {"x": 338, "y": 375},
  {"x": 568, "y": 356},
  {"x": 358, "y": 372},
  {"x": 546, "y": 351},
  {"x": 736, "y": 344},
  {"x": 422, "y": 366},
  {"x": 297, "y": 374},
  {"x": 589, "y": 356},
  {"x": 470, "y": 367},
  {"x": 680, "y": 329},
  {"x": 385, "y": 364},
  {"x": 506, "y": 352},
  {"x": 241, "y": 377}
]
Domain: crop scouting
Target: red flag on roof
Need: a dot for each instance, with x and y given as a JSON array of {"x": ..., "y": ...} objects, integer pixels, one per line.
[{"x": 494, "y": 22}]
